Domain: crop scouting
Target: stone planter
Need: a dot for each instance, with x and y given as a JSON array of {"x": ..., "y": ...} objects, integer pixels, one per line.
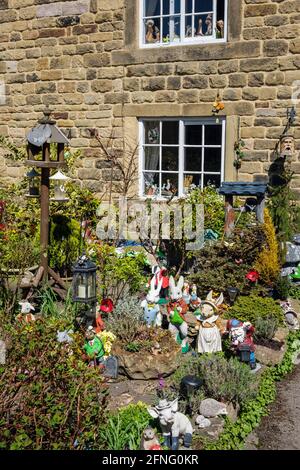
[
  {"x": 269, "y": 357},
  {"x": 144, "y": 365}
]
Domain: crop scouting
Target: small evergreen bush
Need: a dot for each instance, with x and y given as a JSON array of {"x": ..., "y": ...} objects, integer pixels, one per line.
[{"x": 250, "y": 308}]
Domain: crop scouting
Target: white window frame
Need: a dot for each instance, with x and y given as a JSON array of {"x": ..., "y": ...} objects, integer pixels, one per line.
[
  {"x": 185, "y": 41},
  {"x": 181, "y": 152}
]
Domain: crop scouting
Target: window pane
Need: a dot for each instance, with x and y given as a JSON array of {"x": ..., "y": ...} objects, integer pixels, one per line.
[
  {"x": 152, "y": 30},
  {"x": 170, "y": 131},
  {"x": 191, "y": 181},
  {"x": 151, "y": 184},
  {"x": 151, "y": 158},
  {"x": 152, "y": 7},
  {"x": 193, "y": 159},
  {"x": 204, "y": 25},
  {"x": 203, "y": 5},
  {"x": 170, "y": 158},
  {"x": 151, "y": 132},
  {"x": 212, "y": 179},
  {"x": 213, "y": 135},
  {"x": 168, "y": 8},
  {"x": 171, "y": 29},
  {"x": 189, "y": 6},
  {"x": 220, "y": 18},
  {"x": 193, "y": 135},
  {"x": 212, "y": 159},
  {"x": 169, "y": 184}
]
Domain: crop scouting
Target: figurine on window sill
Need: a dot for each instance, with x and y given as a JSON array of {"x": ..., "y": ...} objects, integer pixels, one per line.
[
  {"x": 220, "y": 29},
  {"x": 209, "y": 27},
  {"x": 152, "y": 32},
  {"x": 200, "y": 28}
]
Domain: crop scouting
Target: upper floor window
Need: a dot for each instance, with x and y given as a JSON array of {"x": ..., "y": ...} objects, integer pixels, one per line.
[
  {"x": 170, "y": 22},
  {"x": 180, "y": 154}
]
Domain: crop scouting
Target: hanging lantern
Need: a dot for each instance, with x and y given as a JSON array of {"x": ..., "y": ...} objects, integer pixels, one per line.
[
  {"x": 34, "y": 183},
  {"x": 84, "y": 281},
  {"x": 60, "y": 193}
]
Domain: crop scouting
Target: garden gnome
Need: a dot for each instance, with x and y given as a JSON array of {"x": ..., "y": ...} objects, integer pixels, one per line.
[
  {"x": 161, "y": 274},
  {"x": 173, "y": 424},
  {"x": 186, "y": 293},
  {"x": 93, "y": 347},
  {"x": 241, "y": 337},
  {"x": 195, "y": 302},
  {"x": 150, "y": 305},
  {"x": 209, "y": 337}
]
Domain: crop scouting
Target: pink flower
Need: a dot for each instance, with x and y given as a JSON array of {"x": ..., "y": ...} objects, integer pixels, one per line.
[{"x": 252, "y": 276}]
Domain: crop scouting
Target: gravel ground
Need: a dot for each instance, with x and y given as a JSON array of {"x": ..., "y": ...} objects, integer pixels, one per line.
[{"x": 280, "y": 430}]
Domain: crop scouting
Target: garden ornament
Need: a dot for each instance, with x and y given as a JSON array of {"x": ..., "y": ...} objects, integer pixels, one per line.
[
  {"x": 241, "y": 337},
  {"x": 161, "y": 274},
  {"x": 287, "y": 146},
  {"x": 208, "y": 23},
  {"x": 150, "y": 305},
  {"x": 186, "y": 293},
  {"x": 291, "y": 317},
  {"x": 210, "y": 408},
  {"x": 149, "y": 440},
  {"x": 93, "y": 347},
  {"x": 64, "y": 336},
  {"x": 202, "y": 422},
  {"x": 173, "y": 424},
  {"x": 178, "y": 326},
  {"x": 195, "y": 300},
  {"x": 209, "y": 337},
  {"x": 176, "y": 290},
  {"x": 26, "y": 307},
  {"x": 252, "y": 276},
  {"x": 295, "y": 276}
]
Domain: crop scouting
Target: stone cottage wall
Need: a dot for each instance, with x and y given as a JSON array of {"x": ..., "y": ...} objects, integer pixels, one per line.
[{"x": 82, "y": 59}]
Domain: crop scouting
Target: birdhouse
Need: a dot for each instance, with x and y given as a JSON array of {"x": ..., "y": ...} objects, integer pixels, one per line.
[{"x": 39, "y": 139}]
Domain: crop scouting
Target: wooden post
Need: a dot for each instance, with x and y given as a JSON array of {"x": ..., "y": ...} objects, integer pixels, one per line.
[
  {"x": 229, "y": 216},
  {"x": 260, "y": 209},
  {"x": 45, "y": 188}
]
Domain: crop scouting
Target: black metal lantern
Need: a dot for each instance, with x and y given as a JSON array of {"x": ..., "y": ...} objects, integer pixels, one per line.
[
  {"x": 34, "y": 183},
  {"x": 84, "y": 281},
  {"x": 232, "y": 292}
]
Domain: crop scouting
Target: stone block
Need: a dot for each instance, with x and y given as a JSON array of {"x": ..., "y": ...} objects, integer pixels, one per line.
[
  {"x": 51, "y": 33},
  {"x": 50, "y": 9},
  {"x": 153, "y": 84},
  {"x": 115, "y": 98},
  {"x": 96, "y": 60},
  {"x": 295, "y": 46},
  {"x": 260, "y": 10},
  {"x": 131, "y": 84},
  {"x": 253, "y": 65},
  {"x": 85, "y": 29},
  {"x": 218, "y": 81},
  {"x": 276, "y": 20},
  {"x": 259, "y": 33},
  {"x": 188, "y": 96},
  {"x": 142, "y": 97},
  {"x": 228, "y": 66},
  {"x": 275, "y": 48},
  {"x": 75, "y": 8},
  {"x": 237, "y": 80},
  {"x": 196, "y": 81},
  {"x": 173, "y": 83},
  {"x": 288, "y": 31},
  {"x": 275, "y": 78},
  {"x": 101, "y": 86},
  {"x": 165, "y": 96}
]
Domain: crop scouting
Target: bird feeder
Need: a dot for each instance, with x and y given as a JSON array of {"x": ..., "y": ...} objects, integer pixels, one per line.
[
  {"x": 60, "y": 193},
  {"x": 84, "y": 281},
  {"x": 34, "y": 183},
  {"x": 41, "y": 155}
]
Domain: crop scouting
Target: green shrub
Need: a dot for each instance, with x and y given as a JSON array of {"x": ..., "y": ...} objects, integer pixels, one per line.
[
  {"x": 252, "y": 307},
  {"x": 49, "y": 398},
  {"x": 282, "y": 287},
  {"x": 294, "y": 292},
  {"x": 265, "y": 328},
  {"x": 126, "y": 319},
  {"x": 228, "y": 380},
  {"x": 123, "y": 430},
  {"x": 216, "y": 266}
]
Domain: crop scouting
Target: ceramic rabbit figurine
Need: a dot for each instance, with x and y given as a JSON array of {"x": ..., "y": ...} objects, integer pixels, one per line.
[
  {"x": 177, "y": 308},
  {"x": 152, "y": 314},
  {"x": 209, "y": 337}
]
